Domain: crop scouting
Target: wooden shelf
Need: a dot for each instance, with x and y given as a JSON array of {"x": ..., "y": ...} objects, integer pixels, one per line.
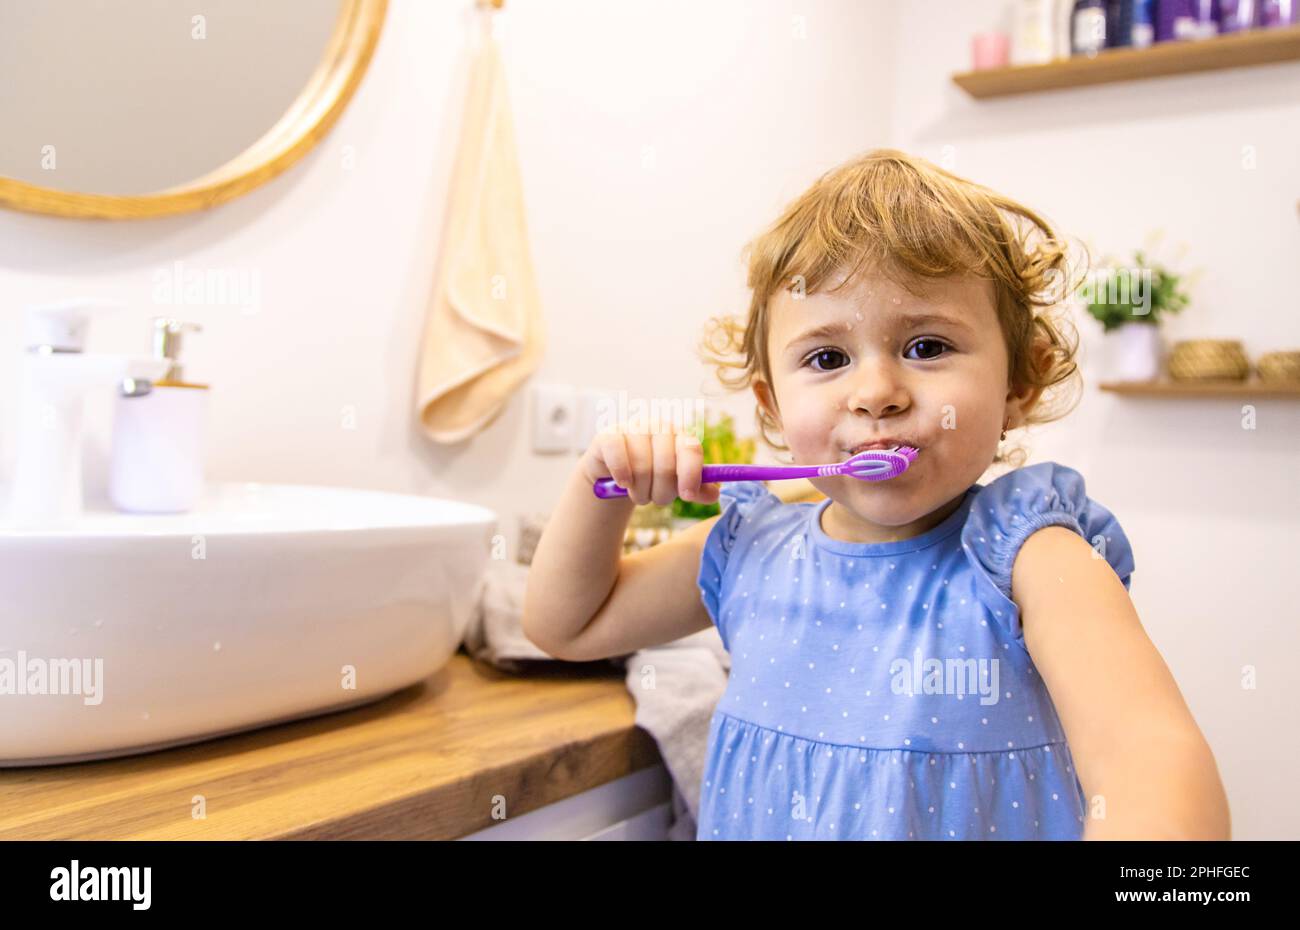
[
  {"x": 1165, "y": 387},
  {"x": 1236, "y": 50}
]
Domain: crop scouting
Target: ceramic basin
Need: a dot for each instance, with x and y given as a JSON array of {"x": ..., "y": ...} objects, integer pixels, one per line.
[{"x": 126, "y": 633}]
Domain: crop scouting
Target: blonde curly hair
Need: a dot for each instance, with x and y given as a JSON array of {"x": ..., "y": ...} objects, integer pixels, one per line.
[{"x": 912, "y": 220}]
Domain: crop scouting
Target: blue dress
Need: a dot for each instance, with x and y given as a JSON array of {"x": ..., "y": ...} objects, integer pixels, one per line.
[{"x": 884, "y": 690}]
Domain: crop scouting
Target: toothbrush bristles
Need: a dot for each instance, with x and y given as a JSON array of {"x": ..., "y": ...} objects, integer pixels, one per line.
[{"x": 883, "y": 464}]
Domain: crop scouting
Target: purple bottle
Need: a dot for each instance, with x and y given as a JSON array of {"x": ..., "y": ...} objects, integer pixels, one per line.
[
  {"x": 1274, "y": 13},
  {"x": 1237, "y": 15},
  {"x": 1175, "y": 20},
  {"x": 1206, "y": 14}
]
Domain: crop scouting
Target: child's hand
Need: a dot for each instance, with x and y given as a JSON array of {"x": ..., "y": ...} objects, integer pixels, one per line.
[{"x": 652, "y": 466}]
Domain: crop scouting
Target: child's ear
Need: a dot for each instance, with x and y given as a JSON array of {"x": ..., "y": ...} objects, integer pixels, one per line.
[
  {"x": 1020, "y": 401},
  {"x": 766, "y": 399}
]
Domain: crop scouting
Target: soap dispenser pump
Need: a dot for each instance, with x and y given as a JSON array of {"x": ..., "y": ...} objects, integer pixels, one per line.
[{"x": 158, "y": 433}]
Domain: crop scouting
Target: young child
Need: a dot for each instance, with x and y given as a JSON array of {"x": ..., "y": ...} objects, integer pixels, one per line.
[{"x": 908, "y": 657}]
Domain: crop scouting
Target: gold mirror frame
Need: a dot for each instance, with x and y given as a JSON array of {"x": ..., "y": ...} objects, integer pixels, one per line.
[{"x": 308, "y": 119}]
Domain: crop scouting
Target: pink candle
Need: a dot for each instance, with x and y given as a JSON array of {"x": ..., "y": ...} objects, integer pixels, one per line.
[{"x": 990, "y": 50}]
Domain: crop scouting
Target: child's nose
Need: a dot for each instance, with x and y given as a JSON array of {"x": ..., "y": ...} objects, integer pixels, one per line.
[{"x": 878, "y": 388}]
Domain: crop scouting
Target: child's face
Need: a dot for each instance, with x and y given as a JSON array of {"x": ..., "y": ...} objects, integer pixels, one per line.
[{"x": 939, "y": 385}]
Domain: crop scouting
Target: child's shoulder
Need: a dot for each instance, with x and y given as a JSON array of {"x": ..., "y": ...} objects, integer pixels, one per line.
[
  {"x": 746, "y": 494},
  {"x": 1038, "y": 495},
  {"x": 749, "y": 510},
  {"x": 742, "y": 503},
  {"x": 1008, "y": 510}
]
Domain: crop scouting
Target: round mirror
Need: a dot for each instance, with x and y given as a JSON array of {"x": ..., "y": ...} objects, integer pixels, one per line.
[{"x": 155, "y": 107}]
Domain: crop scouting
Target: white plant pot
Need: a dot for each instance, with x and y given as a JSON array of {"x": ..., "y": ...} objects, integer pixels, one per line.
[{"x": 1135, "y": 352}]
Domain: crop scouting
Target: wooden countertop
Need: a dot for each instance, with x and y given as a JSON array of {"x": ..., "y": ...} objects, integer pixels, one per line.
[{"x": 425, "y": 763}]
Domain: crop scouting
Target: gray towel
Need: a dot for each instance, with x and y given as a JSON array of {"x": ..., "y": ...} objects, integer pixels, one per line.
[{"x": 676, "y": 686}]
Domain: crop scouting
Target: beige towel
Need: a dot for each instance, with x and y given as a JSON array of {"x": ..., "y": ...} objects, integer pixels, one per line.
[{"x": 483, "y": 336}]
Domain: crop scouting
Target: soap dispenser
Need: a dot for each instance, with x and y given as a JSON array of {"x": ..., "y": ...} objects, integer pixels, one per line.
[{"x": 158, "y": 432}]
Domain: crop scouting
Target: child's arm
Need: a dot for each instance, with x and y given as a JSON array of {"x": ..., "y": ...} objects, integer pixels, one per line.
[
  {"x": 1134, "y": 741},
  {"x": 584, "y": 600}
]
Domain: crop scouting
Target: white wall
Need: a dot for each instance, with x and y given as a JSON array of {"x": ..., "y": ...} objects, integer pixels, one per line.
[
  {"x": 644, "y": 243},
  {"x": 655, "y": 140},
  {"x": 1212, "y": 509}
]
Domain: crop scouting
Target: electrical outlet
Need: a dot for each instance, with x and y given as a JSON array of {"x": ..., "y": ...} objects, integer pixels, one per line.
[{"x": 555, "y": 417}]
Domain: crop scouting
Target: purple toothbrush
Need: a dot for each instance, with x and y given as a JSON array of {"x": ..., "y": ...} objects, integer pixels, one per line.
[{"x": 870, "y": 465}]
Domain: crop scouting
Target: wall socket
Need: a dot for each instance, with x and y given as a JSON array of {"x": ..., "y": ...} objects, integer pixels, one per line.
[
  {"x": 554, "y": 418},
  {"x": 565, "y": 418}
]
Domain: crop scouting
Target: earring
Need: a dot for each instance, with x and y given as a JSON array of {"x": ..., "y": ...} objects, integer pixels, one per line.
[{"x": 1004, "y": 428}]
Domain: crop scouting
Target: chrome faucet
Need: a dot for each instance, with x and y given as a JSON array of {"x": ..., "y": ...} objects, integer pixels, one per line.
[{"x": 57, "y": 375}]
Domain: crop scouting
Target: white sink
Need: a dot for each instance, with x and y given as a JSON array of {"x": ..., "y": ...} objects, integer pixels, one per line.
[{"x": 246, "y": 611}]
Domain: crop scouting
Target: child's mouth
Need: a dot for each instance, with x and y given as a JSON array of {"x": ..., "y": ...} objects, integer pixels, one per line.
[{"x": 881, "y": 444}]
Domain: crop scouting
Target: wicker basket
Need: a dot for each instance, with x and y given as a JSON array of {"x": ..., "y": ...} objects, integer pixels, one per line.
[
  {"x": 1279, "y": 367},
  {"x": 1208, "y": 360}
]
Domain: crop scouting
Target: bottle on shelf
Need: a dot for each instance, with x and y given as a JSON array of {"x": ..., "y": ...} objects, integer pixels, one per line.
[
  {"x": 1237, "y": 15},
  {"x": 1119, "y": 23},
  {"x": 1088, "y": 27},
  {"x": 1142, "y": 28},
  {"x": 1175, "y": 20},
  {"x": 1277, "y": 13},
  {"x": 1062, "y": 41},
  {"x": 1205, "y": 14},
  {"x": 1032, "y": 32}
]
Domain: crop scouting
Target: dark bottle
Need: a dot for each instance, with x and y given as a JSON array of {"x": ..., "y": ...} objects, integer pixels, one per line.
[
  {"x": 1088, "y": 27},
  {"x": 1119, "y": 23}
]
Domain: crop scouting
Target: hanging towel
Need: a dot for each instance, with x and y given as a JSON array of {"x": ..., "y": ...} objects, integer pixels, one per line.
[{"x": 483, "y": 334}]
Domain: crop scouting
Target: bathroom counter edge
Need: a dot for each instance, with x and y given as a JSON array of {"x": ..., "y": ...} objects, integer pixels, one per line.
[{"x": 446, "y": 757}]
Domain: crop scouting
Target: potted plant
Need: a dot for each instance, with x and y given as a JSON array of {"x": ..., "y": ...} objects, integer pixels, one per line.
[{"x": 1130, "y": 303}]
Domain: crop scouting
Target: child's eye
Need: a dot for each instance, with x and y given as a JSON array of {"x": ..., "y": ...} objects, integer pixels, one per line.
[
  {"x": 932, "y": 342},
  {"x": 820, "y": 353}
]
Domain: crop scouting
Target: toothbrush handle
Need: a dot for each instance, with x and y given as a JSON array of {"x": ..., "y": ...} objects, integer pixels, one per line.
[
  {"x": 713, "y": 473},
  {"x": 606, "y": 488}
]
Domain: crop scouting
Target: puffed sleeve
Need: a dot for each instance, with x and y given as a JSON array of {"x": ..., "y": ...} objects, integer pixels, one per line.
[
  {"x": 1011, "y": 508},
  {"x": 740, "y": 500}
]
